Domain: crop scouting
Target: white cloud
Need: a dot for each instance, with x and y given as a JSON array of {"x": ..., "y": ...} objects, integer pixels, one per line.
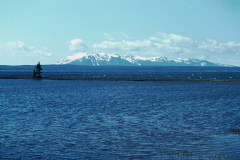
[
  {"x": 126, "y": 36},
  {"x": 44, "y": 52},
  {"x": 15, "y": 44},
  {"x": 153, "y": 46},
  {"x": 16, "y": 48},
  {"x": 108, "y": 36},
  {"x": 17, "y": 52},
  {"x": 175, "y": 46},
  {"x": 77, "y": 45},
  {"x": 162, "y": 44}
]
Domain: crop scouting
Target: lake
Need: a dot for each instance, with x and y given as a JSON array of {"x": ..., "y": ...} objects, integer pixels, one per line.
[
  {"x": 82, "y": 119},
  {"x": 125, "y": 72}
]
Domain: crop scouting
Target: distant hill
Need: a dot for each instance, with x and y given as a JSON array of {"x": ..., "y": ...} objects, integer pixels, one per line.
[{"x": 104, "y": 59}]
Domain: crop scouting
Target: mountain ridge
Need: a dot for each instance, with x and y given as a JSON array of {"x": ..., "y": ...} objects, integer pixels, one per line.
[{"x": 106, "y": 59}]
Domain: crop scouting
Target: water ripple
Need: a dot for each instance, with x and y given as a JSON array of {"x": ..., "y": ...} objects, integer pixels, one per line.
[{"x": 119, "y": 120}]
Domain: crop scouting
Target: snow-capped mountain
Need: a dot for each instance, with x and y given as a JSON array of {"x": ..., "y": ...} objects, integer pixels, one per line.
[
  {"x": 104, "y": 59},
  {"x": 101, "y": 59}
]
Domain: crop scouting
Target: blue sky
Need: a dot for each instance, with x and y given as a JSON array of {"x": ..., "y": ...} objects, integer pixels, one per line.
[{"x": 47, "y": 30}]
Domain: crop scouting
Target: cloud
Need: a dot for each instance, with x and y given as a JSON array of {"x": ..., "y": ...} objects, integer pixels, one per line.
[
  {"x": 18, "y": 52},
  {"x": 161, "y": 44},
  {"x": 19, "y": 47},
  {"x": 44, "y": 52},
  {"x": 15, "y": 44},
  {"x": 108, "y": 36},
  {"x": 175, "y": 46},
  {"x": 153, "y": 46},
  {"x": 126, "y": 36},
  {"x": 77, "y": 45}
]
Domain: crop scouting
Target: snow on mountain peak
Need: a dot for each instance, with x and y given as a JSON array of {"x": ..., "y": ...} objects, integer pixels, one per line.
[
  {"x": 104, "y": 56},
  {"x": 103, "y": 59},
  {"x": 142, "y": 58},
  {"x": 71, "y": 58}
]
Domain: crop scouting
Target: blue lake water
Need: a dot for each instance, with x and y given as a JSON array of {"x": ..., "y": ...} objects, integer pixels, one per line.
[
  {"x": 150, "y": 73},
  {"x": 52, "y": 119}
]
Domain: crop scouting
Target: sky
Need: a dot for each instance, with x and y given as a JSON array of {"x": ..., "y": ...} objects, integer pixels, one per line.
[{"x": 48, "y": 30}]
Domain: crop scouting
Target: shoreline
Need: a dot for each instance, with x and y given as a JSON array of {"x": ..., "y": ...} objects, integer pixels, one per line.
[{"x": 124, "y": 79}]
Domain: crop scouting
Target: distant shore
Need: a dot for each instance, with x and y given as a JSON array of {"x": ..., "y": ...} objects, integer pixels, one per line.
[{"x": 124, "y": 79}]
